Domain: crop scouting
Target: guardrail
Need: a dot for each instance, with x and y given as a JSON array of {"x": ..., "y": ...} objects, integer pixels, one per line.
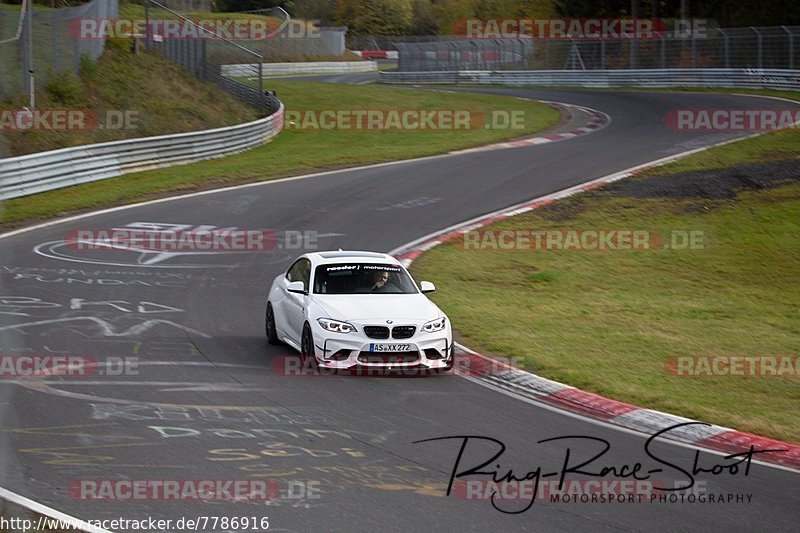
[
  {"x": 45, "y": 171},
  {"x": 736, "y": 78},
  {"x": 288, "y": 69},
  {"x": 377, "y": 54}
]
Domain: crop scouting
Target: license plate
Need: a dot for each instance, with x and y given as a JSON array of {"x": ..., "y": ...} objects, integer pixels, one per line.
[{"x": 389, "y": 347}]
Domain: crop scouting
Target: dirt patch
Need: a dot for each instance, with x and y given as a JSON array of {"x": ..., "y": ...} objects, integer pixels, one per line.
[
  {"x": 563, "y": 210},
  {"x": 715, "y": 184}
]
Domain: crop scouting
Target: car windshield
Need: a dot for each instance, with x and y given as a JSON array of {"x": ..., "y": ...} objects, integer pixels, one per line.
[{"x": 362, "y": 278}]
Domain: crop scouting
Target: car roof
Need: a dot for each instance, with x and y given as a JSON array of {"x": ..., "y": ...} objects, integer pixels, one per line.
[{"x": 338, "y": 256}]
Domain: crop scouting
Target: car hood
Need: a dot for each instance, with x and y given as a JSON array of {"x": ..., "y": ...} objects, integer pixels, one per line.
[{"x": 378, "y": 306}]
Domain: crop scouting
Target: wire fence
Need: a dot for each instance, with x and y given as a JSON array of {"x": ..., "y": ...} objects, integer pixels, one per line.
[
  {"x": 296, "y": 40},
  {"x": 50, "y": 49},
  {"x": 766, "y": 47},
  {"x": 745, "y": 78},
  {"x": 205, "y": 56},
  {"x": 389, "y": 42},
  {"x": 55, "y": 45}
]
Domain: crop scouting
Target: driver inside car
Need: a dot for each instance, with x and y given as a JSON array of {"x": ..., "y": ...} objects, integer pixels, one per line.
[{"x": 381, "y": 283}]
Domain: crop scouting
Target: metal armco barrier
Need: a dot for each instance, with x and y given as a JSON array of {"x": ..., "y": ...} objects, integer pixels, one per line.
[
  {"x": 736, "y": 78},
  {"x": 288, "y": 69},
  {"x": 45, "y": 171}
]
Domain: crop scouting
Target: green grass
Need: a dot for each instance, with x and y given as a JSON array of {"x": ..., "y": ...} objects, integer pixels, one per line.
[
  {"x": 777, "y": 145},
  {"x": 15, "y": 8},
  {"x": 295, "y": 151},
  {"x": 165, "y": 99},
  {"x": 606, "y": 322}
]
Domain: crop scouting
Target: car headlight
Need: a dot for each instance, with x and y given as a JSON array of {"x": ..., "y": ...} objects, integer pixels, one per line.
[
  {"x": 336, "y": 326},
  {"x": 435, "y": 325}
]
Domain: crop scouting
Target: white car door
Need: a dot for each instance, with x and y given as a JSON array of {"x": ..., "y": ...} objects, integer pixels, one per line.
[{"x": 294, "y": 305}]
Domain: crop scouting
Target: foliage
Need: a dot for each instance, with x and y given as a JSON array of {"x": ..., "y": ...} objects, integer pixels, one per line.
[{"x": 375, "y": 17}]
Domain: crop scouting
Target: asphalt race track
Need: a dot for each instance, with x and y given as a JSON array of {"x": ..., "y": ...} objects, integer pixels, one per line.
[{"x": 207, "y": 404}]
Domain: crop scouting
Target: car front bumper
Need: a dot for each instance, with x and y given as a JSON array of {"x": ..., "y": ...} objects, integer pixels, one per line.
[{"x": 426, "y": 350}]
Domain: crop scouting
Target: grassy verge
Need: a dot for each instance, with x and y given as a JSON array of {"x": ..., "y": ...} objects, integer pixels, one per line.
[
  {"x": 121, "y": 82},
  {"x": 297, "y": 151},
  {"x": 607, "y": 322}
]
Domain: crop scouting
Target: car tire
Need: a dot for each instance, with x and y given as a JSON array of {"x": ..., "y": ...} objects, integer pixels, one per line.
[
  {"x": 307, "y": 344},
  {"x": 269, "y": 326}
]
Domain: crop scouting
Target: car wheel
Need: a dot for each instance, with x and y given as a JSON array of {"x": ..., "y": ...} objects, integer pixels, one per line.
[
  {"x": 272, "y": 334},
  {"x": 307, "y": 343}
]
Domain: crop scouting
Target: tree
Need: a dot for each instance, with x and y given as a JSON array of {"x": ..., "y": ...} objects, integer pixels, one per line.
[
  {"x": 375, "y": 17},
  {"x": 451, "y": 14},
  {"x": 322, "y": 10},
  {"x": 423, "y": 18},
  {"x": 249, "y": 5}
]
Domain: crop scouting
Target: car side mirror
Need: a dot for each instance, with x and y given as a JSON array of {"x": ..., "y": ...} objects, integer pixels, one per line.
[
  {"x": 426, "y": 286},
  {"x": 297, "y": 287}
]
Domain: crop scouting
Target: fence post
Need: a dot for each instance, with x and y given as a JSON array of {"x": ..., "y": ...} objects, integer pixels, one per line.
[
  {"x": 29, "y": 57},
  {"x": 791, "y": 47},
  {"x": 54, "y": 42},
  {"x": 147, "y": 25},
  {"x": 547, "y": 55},
  {"x": 602, "y": 54},
  {"x": 260, "y": 75},
  {"x": 758, "y": 33},
  {"x": 725, "y": 47}
]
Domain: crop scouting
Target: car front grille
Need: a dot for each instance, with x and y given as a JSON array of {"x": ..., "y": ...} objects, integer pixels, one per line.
[
  {"x": 395, "y": 358},
  {"x": 376, "y": 332},
  {"x": 403, "y": 332}
]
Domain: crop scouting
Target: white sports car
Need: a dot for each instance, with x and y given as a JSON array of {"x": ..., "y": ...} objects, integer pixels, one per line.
[{"x": 349, "y": 309}]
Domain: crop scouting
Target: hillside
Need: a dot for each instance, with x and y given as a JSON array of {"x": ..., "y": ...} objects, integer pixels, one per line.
[{"x": 158, "y": 96}]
